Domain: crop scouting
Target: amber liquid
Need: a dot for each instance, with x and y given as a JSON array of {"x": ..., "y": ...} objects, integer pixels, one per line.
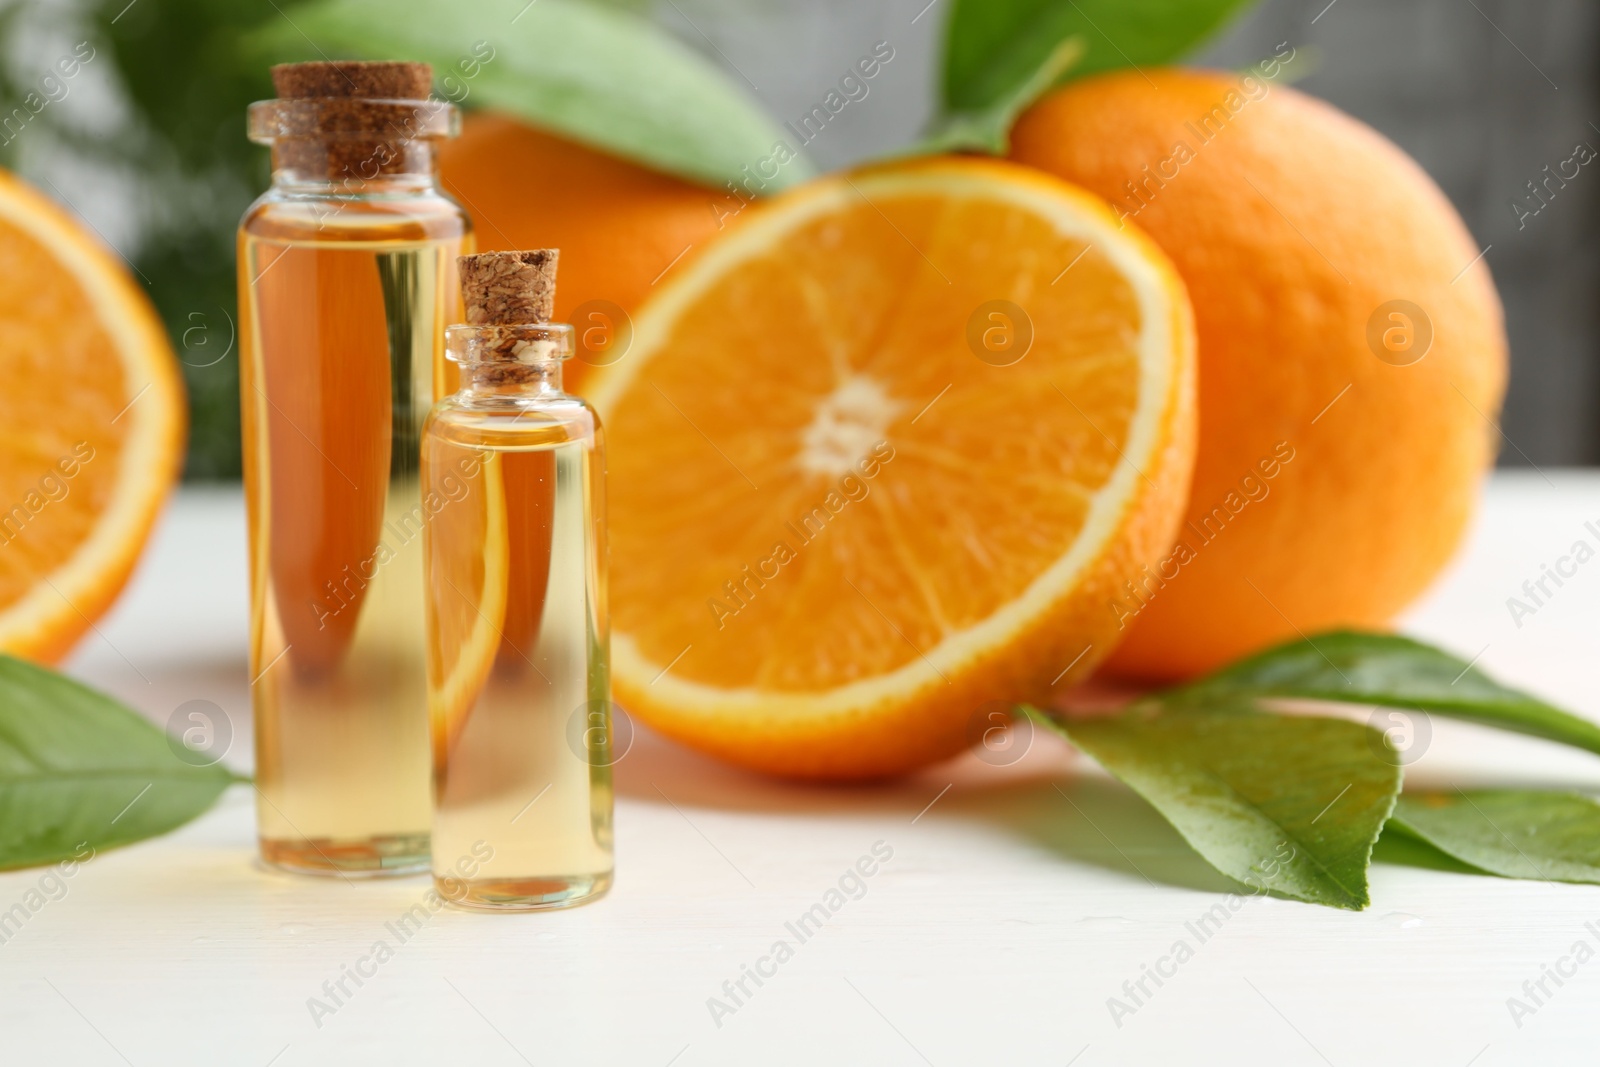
[
  {"x": 519, "y": 687},
  {"x": 343, "y": 311}
]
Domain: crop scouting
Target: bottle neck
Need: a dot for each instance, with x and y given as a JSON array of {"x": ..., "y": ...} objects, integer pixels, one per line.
[
  {"x": 533, "y": 381},
  {"x": 521, "y": 361},
  {"x": 344, "y": 167},
  {"x": 345, "y": 146}
]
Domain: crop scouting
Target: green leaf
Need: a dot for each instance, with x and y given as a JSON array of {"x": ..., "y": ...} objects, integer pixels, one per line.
[
  {"x": 996, "y": 48},
  {"x": 78, "y": 771},
  {"x": 598, "y": 74},
  {"x": 1397, "y": 846},
  {"x": 1363, "y": 668},
  {"x": 987, "y": 127},
  {"x": 1551, "y": 837},
  {"x": 1291, "y": 804}
]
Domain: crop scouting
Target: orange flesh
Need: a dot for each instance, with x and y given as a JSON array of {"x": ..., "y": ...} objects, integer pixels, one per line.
[
  {"x": 54, "y": 417},
  {"x": 980, "y": 494},
  {"x": 506, "y": 515},
  {"x": 460, "y": 600}
]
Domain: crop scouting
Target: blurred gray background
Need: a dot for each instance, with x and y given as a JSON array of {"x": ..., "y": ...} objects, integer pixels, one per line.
[{"x": 1484, "y": 93}]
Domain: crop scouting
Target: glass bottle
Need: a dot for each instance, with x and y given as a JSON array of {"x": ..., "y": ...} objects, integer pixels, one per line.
[
  {"x": 514, "y": 479},
  {"x": 347, "y": 278}
]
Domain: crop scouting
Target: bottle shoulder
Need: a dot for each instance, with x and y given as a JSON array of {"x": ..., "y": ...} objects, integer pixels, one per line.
[
  {"x": 511, "y": 421},
  {"x": 314, "y": 217}
]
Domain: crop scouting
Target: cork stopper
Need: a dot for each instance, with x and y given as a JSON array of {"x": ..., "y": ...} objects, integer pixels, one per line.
[
  {"x": 388, "y": 80},
  {"x": 353, "y": 120},
  {"x": 509, "y": 288}
]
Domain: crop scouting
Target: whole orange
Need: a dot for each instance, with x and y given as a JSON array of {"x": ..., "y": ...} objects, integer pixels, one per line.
[
  {"x": 620, "y": 227},
  {"x": 1351, "y": 347}
]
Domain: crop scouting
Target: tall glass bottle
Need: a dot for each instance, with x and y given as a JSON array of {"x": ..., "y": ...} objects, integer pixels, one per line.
[
  {"x": 514, "y": 482},
  {"x": 347, "y": 278}
]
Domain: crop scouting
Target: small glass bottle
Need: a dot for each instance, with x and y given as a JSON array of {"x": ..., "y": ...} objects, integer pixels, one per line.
[
  {"x": 346, "y": 282},
  {"x": 519, "y": 689}
]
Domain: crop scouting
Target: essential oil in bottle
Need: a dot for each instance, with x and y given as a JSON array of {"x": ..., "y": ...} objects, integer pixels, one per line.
[
  {"x": 347, "y": 278},
  {"x": 518, "y": 686}
]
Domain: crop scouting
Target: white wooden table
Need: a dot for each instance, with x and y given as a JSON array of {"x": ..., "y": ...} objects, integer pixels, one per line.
[{"x": 994, "y": 934}]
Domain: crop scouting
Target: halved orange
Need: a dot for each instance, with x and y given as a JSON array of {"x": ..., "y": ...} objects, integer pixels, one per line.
[
  {"x": 92, "y": 424},
  {"x": 885, "y": 452}
]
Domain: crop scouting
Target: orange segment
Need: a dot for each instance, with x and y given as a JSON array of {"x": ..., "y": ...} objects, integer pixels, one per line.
[
  {"x": 467, "y": 591},
  {"x": 91, "y": 424},
  {"x": 854, "y": 497}
]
